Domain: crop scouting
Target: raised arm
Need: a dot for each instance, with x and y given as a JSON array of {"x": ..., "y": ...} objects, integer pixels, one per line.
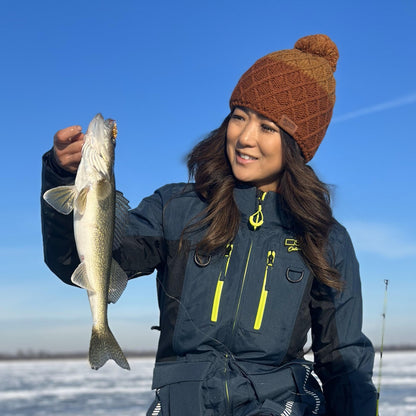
[{"x": 59, "y": 166}]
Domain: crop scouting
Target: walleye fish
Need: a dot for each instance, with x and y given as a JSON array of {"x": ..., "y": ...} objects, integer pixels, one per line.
[{"x": 100, "y": 213}]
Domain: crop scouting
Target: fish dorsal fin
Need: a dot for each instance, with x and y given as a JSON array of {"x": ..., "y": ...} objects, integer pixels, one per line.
[
  {"x": 118, "y": 282},
  {"x": 81, "y": 201},
  {"x": 80, "y": 277},
  {"x": 61, "y": 198},
  {"x": 122, "y": 213}
]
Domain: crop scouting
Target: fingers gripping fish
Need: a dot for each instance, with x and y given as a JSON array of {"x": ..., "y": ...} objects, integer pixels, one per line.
[{"x": 100, "y": 213}]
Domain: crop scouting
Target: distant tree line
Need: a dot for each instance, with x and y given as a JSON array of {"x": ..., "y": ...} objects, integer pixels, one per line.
[{"x": 44, "y": 355}]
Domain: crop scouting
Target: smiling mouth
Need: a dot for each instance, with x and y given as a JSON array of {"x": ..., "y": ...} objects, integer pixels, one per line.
[{"x": 244, "y": 156}]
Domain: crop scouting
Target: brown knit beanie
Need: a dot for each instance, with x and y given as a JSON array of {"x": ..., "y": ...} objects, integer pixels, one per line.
[{"x": 295, "y": 88}]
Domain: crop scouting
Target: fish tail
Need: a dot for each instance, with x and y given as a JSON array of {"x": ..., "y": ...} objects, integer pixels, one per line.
[{"x": 103, "y": 347}]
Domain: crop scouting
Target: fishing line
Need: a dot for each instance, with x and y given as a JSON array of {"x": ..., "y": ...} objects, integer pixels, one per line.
[{"x": 386, "y": 283}]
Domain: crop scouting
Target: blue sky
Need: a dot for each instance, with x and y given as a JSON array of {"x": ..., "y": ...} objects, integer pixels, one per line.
[{"x": 165, "y": 71}]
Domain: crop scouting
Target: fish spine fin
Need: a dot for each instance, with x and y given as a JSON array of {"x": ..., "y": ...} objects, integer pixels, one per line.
[{"x": 104, "y": 347}]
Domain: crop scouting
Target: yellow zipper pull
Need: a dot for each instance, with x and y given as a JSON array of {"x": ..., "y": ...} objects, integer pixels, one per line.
[{"x": 256, "y": 220}]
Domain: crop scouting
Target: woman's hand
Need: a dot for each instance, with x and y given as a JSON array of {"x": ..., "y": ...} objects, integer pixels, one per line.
[{"x": 67, "y": 146}]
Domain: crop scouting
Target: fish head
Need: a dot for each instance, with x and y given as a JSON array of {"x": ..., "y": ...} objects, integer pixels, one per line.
[{"x": 100, "y": 138}]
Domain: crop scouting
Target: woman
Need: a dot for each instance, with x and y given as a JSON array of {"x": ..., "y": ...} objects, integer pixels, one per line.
[{"x": 248, "y": 258}]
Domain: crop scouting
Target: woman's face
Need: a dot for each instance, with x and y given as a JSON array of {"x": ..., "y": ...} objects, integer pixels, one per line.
[{"x": 254, "y": 149}]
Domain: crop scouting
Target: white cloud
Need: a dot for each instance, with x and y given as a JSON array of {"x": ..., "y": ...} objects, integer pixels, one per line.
[
  {"x": 399, "y": 102},
  {"x": 382, "y": 239}
]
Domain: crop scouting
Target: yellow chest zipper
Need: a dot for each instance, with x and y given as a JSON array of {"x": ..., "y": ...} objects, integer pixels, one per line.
[
  {"x": 263, "y": 297},
  {"x": 220, "y": 284}
]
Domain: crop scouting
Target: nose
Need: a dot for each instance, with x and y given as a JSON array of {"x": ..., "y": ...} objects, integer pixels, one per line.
[{"x": 248, "y": 134}]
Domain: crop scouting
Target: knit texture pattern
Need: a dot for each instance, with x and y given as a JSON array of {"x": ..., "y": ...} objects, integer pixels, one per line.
[{"x": 295, "y": 88}]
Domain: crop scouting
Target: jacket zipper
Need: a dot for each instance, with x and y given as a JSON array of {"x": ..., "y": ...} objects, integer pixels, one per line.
[
  {"x": 220, "y": 284},
  {"x": 263, "y": 297},
  {"x": 256, "y": 220}
]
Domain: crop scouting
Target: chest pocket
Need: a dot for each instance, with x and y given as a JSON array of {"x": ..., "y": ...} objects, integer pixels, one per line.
[
  {"x": 271, "y": 255},
  {"x": 220, "y": 283},
  {"x": 283, "y": 282}
]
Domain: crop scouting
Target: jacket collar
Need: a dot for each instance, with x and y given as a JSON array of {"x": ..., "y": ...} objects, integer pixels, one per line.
[{"x": 247, "y": 200}]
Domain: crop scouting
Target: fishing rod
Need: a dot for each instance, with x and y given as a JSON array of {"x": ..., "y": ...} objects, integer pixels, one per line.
[{"x": 386, "y": 283}]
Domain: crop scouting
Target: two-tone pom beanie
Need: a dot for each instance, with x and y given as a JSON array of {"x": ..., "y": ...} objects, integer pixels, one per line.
[{"x": 295, "y": 88}]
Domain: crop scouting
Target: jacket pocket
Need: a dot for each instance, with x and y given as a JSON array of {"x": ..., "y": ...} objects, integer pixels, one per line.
[
  {"x": 220, "y": 284},
  {"x": 178, "y": 388},
  {"x": 276, "y": 390},
  {"x": 264, "y": 291}
]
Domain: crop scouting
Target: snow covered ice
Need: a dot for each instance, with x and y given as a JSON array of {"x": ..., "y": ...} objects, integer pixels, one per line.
[{"x": 70, "y": 387}]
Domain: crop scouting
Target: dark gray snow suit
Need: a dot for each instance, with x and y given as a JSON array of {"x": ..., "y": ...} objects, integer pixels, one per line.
[{"x": 234, "y": 326}]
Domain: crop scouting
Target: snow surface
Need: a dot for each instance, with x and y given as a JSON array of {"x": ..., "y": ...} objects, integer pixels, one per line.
[{"x": 70, "y": 387}]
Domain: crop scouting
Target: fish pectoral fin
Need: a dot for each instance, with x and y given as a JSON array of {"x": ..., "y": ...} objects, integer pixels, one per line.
[
  {"x": 121, "y": 220},
  {"x": 118, "y": 282},
  {"x": 61, "y": 198},
  {"x": 80, "y": 277},
  {"x": 81, "y": 201},
  {"x": 104, "y": 189}
]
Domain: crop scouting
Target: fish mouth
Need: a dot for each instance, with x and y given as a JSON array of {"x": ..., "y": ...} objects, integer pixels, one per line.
[
  {"x": 112, "y": 126},
  {"x": 114, "y": 130}
]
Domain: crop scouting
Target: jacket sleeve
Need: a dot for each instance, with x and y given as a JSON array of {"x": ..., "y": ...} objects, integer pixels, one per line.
[
  {"x": 59, "y": 250},
  {"x": 344, "y": 356},
  {"x": 141, "y": 250}
]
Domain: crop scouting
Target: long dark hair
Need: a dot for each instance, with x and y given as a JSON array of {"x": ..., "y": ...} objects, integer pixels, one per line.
[{"x": 305, "y": 198}]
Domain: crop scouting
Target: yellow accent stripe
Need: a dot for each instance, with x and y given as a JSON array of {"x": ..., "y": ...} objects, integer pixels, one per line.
[
  {"x": 262, "y": 305},
  {"x": 217, "y": 298},
  {"x": 263, "y": 297}
]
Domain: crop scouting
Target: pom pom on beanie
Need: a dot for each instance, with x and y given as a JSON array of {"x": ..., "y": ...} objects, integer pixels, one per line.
[{"x": 295, "y": 88}]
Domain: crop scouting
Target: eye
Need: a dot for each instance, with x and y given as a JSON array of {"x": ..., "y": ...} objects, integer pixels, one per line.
[
  {"x": 268, "y": 128},
  {"x": 236, "y": 116}
]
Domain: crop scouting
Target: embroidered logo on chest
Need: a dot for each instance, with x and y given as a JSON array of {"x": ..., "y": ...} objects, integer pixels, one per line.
[{"x": 292, "y": 245}]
